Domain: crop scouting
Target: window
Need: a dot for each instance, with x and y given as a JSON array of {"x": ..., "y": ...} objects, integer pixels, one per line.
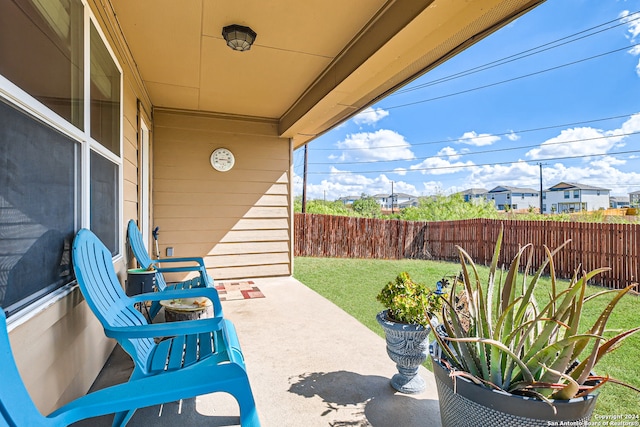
[
  {"x": 38, "y": 211},
  {"x": 567, "y": 194},
  {"x": 105, "y": 95},
  {"x": 104, "y": 191},
  {"x": 576, "y": 194},
  {"x": 41, "y": 51},
  {"x": 43, "y": 146}
]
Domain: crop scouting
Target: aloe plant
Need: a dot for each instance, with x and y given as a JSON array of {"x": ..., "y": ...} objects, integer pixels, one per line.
[{"x": 506, "y": 340}]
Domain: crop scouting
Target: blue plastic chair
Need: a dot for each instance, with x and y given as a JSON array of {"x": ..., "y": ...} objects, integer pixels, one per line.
[
  {"x": 18, "y": 410},
  {"x": 139, "y": 250},
  {"x": 206, "y": 348}
]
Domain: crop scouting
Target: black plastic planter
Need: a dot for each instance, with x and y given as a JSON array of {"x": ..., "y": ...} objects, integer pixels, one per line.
[{"x": 472, "y": 405}]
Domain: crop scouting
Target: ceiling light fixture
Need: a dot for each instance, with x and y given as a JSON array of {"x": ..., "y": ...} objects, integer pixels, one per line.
[{"x": 239, "y": 37}]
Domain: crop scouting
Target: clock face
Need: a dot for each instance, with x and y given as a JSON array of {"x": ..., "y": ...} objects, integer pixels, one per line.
[{"x": 222, "y": 159}]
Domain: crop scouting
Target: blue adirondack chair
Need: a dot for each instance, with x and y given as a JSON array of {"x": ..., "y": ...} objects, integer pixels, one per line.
[
  {"x": 18, "y": 410},
  {"x": 207, "y": 348},
  {"x": 136, "y": 243}
]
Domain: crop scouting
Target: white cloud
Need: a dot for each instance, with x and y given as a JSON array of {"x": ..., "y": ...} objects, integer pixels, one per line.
[
  {"x": 343, "y": 183},
  {"x": 449, "y": 151},
  {"x": 383, "y": 144},
  {"x": 633, "y": 26},
  {"x": 513, "y": 136},
  {"x": 370, "y": 116},
  {"x": 400, "y": 171},
  {"x": 478, "y": 139},
  {"x": 572, "y": 142},
  {"x": 585, "y": 141},
  {"x": 633, "y": 30},
  {"x": 517, "y": 174},
  {"x": 443, "y": 163}
]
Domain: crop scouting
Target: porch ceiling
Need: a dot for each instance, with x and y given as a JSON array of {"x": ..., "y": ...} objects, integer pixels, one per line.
[{"x": 314, "y": 64}]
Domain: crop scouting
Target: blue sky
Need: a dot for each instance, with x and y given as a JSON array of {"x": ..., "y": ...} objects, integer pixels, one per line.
[{"x": 454, "y": 128}]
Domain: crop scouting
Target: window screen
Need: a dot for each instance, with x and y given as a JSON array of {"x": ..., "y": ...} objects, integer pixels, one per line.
[
  {"x": 37, "y": 208},
  {"x": 104, "y": 201}
]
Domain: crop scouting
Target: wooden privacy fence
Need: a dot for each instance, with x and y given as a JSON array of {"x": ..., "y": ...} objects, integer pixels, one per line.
[{"x": 592, "y": 245}]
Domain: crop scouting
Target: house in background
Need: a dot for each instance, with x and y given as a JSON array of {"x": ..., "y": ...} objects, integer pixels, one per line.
[
  {"x": 616, "y": 202},
  {"x": 395, "y": 200},
  {"x": 348, "y": 200},
  {"x": 634, "y": 199},
  {"x": 513, "y": 198},
  {"x": 568, "y": 197},
  {"x": 113, "y": 110},
  {"x": 474, "y": 194}
]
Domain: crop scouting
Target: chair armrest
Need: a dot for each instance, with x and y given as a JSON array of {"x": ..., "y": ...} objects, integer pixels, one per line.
[
  {"x": 157, "y": 330},
  {"x": 182, "y": 269},
  {"x": 197, "y": 260},
  {"x": 209, "y": 293}
]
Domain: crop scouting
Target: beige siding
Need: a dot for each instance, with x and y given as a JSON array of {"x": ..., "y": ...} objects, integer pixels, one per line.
[
  {"x": 61, "y": 349},
  {"x": 239, "y": 220}
]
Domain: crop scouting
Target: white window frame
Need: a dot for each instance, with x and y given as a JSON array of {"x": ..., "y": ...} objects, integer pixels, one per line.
[{"x": 27, "y": 103}]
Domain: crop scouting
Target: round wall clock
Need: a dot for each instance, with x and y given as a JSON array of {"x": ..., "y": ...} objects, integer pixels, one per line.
[{"x": 222, "y": 159}]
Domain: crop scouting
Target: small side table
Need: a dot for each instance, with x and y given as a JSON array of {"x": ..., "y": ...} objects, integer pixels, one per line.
[{"x": 186, "y": 309}]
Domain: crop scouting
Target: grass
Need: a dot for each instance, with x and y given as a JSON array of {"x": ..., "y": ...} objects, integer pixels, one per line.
[{"x": 352, "y": 284}]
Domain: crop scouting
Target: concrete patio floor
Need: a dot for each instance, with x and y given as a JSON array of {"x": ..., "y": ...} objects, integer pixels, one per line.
[{"x": 310, "y": 364}]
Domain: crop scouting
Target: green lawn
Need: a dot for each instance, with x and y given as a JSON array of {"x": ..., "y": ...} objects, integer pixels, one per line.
[{"x": 353, "y": 284}]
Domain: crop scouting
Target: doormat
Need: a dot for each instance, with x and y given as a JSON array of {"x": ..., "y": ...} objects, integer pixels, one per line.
[{"x": 230, "y": 291}]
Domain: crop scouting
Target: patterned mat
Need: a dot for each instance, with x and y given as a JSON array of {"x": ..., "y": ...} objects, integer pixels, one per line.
[{"x": 229, "y": 291}]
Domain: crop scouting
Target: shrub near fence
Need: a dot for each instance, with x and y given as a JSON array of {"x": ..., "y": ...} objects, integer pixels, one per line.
[{"x": 592, "y": 245}]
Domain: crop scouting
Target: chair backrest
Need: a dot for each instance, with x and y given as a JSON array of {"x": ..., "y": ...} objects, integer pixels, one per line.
[
  {"x": 101, "y": 288},
  {"x": 139, "y": 250},
  {"x": 16, "y": 406}
]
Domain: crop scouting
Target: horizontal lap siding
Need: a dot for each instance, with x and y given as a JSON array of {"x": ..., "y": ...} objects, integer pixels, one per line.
[
  {"x": 590, "y": 245},
  {"x": 238, "y": 221}
]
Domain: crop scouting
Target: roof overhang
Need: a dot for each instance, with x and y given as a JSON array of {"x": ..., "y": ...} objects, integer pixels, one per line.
[{"x": 314, "y": 64}]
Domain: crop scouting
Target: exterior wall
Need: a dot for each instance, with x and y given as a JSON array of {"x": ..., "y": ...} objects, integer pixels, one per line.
[
  {"x": 555, "y": 198},
  {"x": 60, "y": 346},
  {"x": 503, "y": 200},
  {"x": 588, "y": 198},
  {"x": 499, "y": 199},
  {"x": 239, "y": 221},
  {"x": 526, "y": 201},
  {"x": 594, "y": 200}
]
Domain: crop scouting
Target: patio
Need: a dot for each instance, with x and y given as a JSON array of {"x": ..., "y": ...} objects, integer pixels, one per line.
[{"x": 310, "y": 364}]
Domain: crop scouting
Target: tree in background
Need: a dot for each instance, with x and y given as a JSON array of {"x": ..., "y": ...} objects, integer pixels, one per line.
[
  {"x": 445, "y": 208},
  {"x": 367, "y": 206},
  {"x": 323, "y": 207}
]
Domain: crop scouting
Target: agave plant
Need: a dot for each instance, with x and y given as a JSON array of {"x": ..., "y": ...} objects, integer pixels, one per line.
[{"x": 505, "y": 340}]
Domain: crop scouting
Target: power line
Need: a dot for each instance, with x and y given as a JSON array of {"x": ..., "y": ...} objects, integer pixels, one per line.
[
  {"x": 479, "y": 164},
  {"x": 469, "y": 153},
  {"x": 512, "y": 79},
  {"x": 489, "y": 135},
  {"x": 523, "y": 54}
]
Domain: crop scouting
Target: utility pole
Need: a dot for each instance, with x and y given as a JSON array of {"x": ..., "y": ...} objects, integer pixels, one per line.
[
  {"x": 392, "y": 197},
  {"x": 541, "y": 211},
  {"x": 304, "y": 180}
]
